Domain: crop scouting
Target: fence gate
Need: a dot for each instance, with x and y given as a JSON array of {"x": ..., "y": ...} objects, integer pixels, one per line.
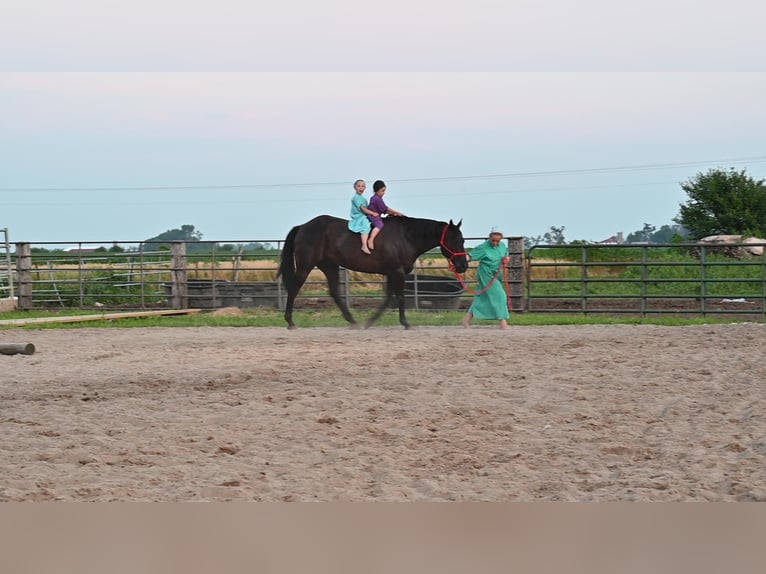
[{"x": 6, "y": 268}]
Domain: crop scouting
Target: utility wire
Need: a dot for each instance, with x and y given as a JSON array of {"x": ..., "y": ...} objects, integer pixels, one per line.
[
  {"x": 325, "y": 200},
  {"x": 546, "y": 173}
]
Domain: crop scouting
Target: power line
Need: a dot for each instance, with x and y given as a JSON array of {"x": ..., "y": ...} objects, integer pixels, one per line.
[
  {"x": 326, "y": 200},
  {"x": 546, "y": 173}
]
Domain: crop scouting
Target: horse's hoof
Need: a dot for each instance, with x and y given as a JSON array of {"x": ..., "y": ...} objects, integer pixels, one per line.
[{"x": 291, "y": 327}]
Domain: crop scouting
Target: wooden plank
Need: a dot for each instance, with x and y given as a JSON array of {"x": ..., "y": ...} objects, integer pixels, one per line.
[{"x": 98, "y": 317}]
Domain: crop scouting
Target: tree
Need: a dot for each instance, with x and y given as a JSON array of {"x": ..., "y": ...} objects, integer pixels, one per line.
[
  {"x": 669, "y": 234},
  {"x": 665, "y": 234},
  {"x": 186, "y": 233},
  {"x": 724, "y": 202},
  {"x": 530, "y": 242},
  {"x": 554, "y": 236},
  {"x": 643, "y": 236}
]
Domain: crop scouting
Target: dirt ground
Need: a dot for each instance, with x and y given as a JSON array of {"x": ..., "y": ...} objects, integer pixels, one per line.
[{"x": 548, "y": 413}]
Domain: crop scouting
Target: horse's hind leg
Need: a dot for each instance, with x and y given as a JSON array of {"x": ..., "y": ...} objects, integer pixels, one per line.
[
  {"x": 292, "y": 292},
  {"x": 332, "y": 272}
]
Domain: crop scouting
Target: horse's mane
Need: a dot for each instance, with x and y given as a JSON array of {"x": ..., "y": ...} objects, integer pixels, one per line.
[{"x": 417, "y": 229}]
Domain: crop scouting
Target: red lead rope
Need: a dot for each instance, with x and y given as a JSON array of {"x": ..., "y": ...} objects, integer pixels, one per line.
[{"x": 470, "y": 291}]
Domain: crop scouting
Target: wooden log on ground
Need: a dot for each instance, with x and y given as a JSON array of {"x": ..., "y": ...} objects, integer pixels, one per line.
[{"x": 17, "y": 349}]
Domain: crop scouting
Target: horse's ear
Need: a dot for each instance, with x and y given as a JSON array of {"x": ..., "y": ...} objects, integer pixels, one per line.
[{"x": 458, "y": 224}]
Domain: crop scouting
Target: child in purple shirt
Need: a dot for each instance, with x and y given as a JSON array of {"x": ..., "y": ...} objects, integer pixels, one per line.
[{"x": 378, "y": 206}]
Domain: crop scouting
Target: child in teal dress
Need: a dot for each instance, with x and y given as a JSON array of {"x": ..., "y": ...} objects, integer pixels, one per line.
[{"x": 359, "y": 222}]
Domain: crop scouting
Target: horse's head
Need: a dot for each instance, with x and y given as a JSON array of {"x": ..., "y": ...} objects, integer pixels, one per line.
[{"x": 452, "y": 246}]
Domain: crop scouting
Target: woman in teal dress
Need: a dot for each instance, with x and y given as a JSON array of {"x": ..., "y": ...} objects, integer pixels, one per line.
[{"x": 492, "y": 303}]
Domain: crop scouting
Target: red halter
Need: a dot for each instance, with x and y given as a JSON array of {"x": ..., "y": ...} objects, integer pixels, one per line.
[{"x": 452, "y": 254}]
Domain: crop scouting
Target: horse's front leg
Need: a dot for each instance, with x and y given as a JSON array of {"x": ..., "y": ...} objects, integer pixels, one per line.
[
  {"x": 397, "y": 292},
  {"x": 394, "y": 290}
]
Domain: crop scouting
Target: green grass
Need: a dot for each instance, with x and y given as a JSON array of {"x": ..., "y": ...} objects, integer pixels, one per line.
[{"x": 333, "y": 318}]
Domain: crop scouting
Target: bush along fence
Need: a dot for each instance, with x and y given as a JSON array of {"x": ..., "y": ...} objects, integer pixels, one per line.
[{"x": 626, "y": 279}]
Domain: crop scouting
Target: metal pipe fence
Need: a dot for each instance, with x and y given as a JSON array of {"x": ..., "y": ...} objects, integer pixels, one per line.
[
  {"x": 153, "y": 275},
  {"x": 627, "y": 279},
  {"x": 651, "y": 279}
]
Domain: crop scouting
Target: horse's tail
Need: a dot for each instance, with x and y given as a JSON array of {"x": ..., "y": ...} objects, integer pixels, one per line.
[{"x": 287, "y": 260}]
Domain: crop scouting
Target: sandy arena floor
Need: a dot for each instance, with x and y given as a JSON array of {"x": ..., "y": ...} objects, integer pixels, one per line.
[{"x": 568, "y": 413}]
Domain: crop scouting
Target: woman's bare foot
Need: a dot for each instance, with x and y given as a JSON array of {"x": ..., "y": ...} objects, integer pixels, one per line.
[
  {"x": 371, "y": 246},
  {"x": 367, "y": 251}
]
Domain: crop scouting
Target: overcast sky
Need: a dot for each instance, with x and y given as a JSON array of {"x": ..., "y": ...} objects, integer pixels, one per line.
[{"x": 122, "y": 121}]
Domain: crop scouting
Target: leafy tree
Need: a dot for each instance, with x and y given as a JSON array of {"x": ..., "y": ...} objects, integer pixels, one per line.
[
  {"x": 665, "y": 234},
  {"x": 724, "y": 202},
  {"x": 530, "y": 242},
  {"x": 643, "y": 236},
  {"x": 554, "y": 236},
  {"x": 669, "y": 234},
  {"x": 185, "y": 233}
]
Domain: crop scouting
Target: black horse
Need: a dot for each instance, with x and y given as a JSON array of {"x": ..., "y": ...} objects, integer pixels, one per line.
[{"x": 327, "y": 243}]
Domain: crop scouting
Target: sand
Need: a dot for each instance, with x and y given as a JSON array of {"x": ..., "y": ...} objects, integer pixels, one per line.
[{"x": 550, "y": 413}]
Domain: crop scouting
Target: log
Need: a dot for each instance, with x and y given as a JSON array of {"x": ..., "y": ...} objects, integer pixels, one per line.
[{"x": 17, "y": 349}]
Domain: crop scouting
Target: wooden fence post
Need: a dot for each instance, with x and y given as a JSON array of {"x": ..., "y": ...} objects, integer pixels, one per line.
[
  {"x": 24, "y": 272},
  {"x": 179, "y": 274},
  {"x": 516, "y": 279}
]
